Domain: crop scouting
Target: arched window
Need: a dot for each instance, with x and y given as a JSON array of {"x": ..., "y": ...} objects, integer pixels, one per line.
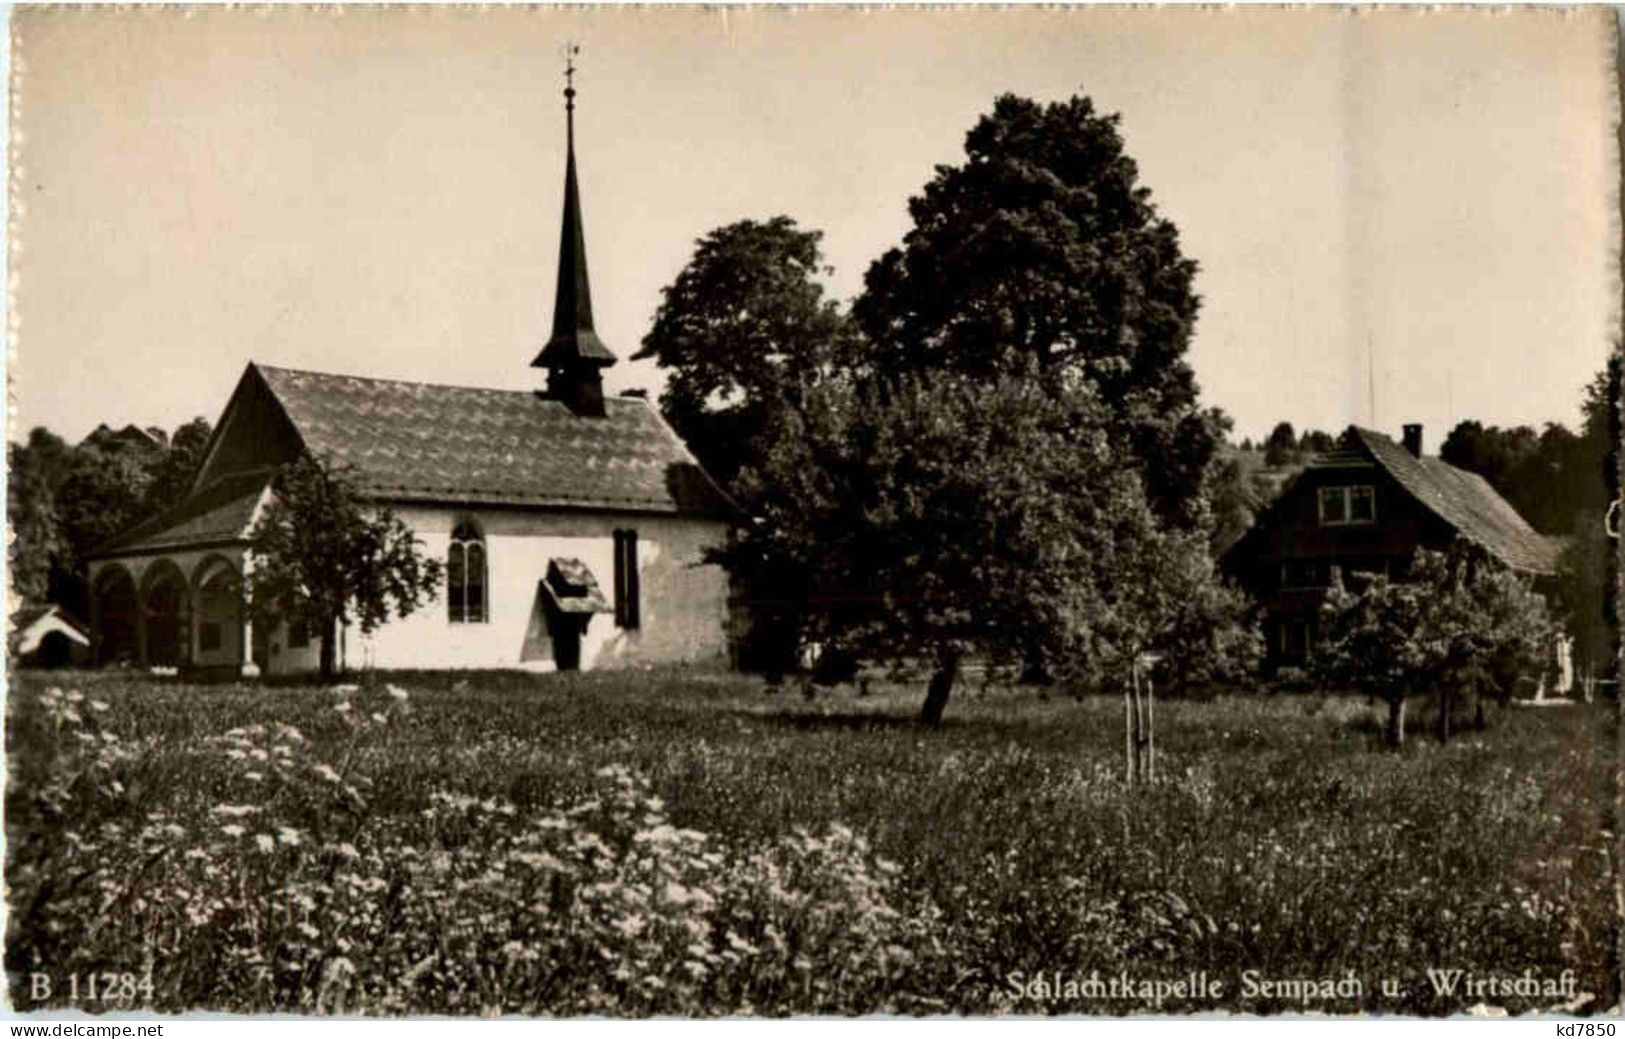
[{"x": 465, "y": 575}]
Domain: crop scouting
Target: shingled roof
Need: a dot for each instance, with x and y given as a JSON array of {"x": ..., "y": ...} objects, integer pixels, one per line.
[
  {"x": 410, "y": 441},
  {"x": 1462, "y": 499},
  {"x": 419, "y": 442}
]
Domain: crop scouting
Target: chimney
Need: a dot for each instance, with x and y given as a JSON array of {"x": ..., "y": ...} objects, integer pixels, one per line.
[{"x": 1413, "y": 439}]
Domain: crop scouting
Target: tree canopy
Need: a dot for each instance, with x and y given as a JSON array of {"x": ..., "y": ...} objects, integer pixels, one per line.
[
  {"x": 1005, "y": 426},
  {"x": 67, "y": 501},
  {"x": 742, "y": 332},
  {"x": 1457, "y": 622},
  {"x": 940, "y": 514},
  {"x": 1044, "y": 246}
]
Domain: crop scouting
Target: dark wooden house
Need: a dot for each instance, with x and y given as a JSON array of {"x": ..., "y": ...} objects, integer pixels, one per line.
[{"x": 1365, "y": 508}]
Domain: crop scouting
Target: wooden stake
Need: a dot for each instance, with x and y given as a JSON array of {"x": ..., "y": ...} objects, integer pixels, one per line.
[
  {"x": 1150, "y": 729},
  {"x": 1128, "y": 729}
]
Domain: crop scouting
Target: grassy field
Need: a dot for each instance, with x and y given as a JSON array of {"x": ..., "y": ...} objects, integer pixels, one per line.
[{"x": 681, "y": 842}]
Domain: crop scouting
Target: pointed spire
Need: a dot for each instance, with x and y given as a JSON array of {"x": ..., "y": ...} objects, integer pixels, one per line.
[{"x": 574, "y": 354}]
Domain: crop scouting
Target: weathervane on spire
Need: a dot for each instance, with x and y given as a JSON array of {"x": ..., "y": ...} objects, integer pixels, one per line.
[{"x": 570, "y": 52}]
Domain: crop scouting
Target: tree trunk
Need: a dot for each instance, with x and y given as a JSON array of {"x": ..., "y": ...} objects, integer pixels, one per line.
[
  {"x": 1396, "y": 721},
  {"x": 1445, "y": 701},
  {"x": 942, "y": 683}
]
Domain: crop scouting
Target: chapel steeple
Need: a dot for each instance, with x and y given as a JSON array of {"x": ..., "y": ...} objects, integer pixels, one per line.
[{"x": 574, "y": 355}]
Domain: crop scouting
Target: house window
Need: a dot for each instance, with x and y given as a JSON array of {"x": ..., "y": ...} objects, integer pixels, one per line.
[
  {"x": 1346, "y": 505},
  {"x": 465, "y": 576},
  {"x": 626, "y": 579}
]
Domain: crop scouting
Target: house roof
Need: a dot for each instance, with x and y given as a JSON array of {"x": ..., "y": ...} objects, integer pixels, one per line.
[
  {"x": 1462, "y": 499},
  {"x": 571, "y": 588},
  {"x": 221, "y": 512},
  {"x": 410, "y": 441},
  {"x": 31, "y": 613}
]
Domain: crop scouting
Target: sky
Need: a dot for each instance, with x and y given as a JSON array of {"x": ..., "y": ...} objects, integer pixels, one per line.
[{"x": 1399, "y": 215}]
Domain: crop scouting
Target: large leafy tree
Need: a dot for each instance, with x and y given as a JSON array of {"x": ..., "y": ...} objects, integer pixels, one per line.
[
  {"x": 745, "y": 337},
  {"x": 322, "y": 556},
  {"x": 1459, "y": 625},
  {"x": 1044, "y": 247},
  {"x": 743, "y": 333},
  {"x": 943, "y": 514}
]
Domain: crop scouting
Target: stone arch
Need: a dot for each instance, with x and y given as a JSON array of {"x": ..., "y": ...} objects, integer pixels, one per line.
[
  {"x": 217, "y": 591},
  {"x": 117, "y": 614},
  {"x": 166, "y": 607}
]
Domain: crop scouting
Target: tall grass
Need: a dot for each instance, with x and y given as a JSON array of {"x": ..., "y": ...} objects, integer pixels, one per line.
[{"x": 681, "y": 842}]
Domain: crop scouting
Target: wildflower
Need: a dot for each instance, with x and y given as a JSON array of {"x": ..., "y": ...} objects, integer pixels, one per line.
[
  {"x": 232, "y": 830},
  {"x": 288, "y": 835},
  {"x": 264, "y": 842},
  {"x": 396, "y": 692},
  {"x": 326, "y": 772}
]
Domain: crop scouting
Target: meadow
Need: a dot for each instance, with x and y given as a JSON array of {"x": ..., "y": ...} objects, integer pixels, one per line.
[{"x": 684, "y": 842}]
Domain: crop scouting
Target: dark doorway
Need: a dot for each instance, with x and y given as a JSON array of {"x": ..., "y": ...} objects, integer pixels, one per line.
[
  {"x": 55, "y": 649},
  {"x": 566, "y": 630}
]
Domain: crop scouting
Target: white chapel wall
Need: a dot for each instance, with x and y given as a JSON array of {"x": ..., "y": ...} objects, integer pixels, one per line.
[{"x": 683, "y": 601}]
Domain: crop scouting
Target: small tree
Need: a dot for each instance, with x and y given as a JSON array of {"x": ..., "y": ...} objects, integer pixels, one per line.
[
  {"x": 322, "y": 557},
  {"x": 1458, "y": 624}
]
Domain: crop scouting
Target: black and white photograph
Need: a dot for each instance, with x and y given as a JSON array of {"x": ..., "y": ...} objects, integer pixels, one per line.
[{"x": 717, "y": 512}]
